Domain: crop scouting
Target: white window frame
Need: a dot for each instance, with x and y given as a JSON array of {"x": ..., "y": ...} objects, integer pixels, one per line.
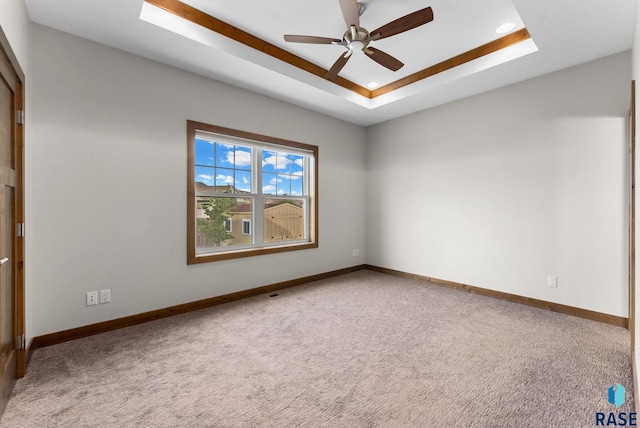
[{"x": 257, "y": 143}]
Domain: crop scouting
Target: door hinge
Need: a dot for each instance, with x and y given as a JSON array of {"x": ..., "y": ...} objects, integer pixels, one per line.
[
  {"x": 20, "y": 117},
  {"x": 20, "y": 230},
  {"x": 20, "y": 342}
]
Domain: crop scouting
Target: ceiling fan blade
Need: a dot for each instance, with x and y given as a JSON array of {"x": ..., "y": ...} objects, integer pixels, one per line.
[
  {"x": 350, "y": 12},
  {"x": 407, "y": 22},
  {"x": 337, "y": 66},
  {"x": 384, "y": 59},
  {"x": 310, "y": 39}
]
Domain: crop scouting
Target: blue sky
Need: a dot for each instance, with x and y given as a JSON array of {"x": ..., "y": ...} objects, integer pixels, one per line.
[{"x": 225, "y": 164}]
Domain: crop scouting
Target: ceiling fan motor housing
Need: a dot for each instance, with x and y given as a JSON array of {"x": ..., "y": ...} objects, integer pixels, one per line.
[{"x": 356, "y": 38}]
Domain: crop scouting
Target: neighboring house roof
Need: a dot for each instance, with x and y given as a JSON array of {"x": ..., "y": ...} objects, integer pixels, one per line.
[
  {"x": 243, "y": 208},
  {"x": 205, "y": 188},
  {"x": 270, "y": 207}
]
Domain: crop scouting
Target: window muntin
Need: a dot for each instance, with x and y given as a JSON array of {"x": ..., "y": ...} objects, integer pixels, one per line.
[
  {"x": 225, "y": 167},
  {"x": 251, "y": 194},
  {"x": 282, "y": 173}
]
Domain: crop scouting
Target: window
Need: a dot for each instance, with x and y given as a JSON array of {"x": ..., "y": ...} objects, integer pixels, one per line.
[
  {"x": 246, "y": 227},
  {"x": 248, "y": 194}
]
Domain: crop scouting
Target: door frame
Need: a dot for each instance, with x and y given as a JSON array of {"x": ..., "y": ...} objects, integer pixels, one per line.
[
  {"x": 632, "y": 214},
  {"x": 7, "y": 53}
]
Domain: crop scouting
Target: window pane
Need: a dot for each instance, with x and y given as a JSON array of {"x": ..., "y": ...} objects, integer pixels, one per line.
[
  {"x": 242, "y": 158},
  {"x": 297, "y": 164},
  {"x": 283, "y": 162},
  {"x": 297, "y": 174},
  {"x": 243, "y": 181},
  {"x": 225, "y": 177},
  {"x": 282, "y": 174},
  {"x": 268, "y": 161},
  {"x": 232, "y": 167},
  {"x": 284, "y": 185},
  {"x": 204, "y": 152},
  {"x": 297, "y": 185},
  {"x": 283, "y": 219},
  {"x": 224, "y": 155},
  {"x": 269, "y": 183},
  {"x": 219, "y": 221},
  {"x": 205, "y": 175}
]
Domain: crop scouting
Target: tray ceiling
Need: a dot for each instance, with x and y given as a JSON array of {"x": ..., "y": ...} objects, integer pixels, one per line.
[{"x": 456, "y": 55}]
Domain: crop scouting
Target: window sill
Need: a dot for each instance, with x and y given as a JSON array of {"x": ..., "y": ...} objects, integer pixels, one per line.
[{"x": 228, "y": 255}]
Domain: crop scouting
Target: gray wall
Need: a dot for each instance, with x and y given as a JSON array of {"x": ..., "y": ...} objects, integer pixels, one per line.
[
  {"x": 109, "y": 183},
  {"x": 502, "y": 189},
  {"x": 16, "y": 25}
]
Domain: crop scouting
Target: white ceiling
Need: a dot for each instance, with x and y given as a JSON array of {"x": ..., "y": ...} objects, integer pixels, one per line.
[{"x": 563, "y": 33}]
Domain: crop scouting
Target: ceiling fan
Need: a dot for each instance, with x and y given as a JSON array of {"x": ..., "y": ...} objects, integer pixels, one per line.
[{"x": 358, "y": 38}]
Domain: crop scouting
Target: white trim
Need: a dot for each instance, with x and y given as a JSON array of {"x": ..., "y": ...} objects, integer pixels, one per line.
[
  {"x": 256, "y": 224},
  {"x": 254, "y": 144}
]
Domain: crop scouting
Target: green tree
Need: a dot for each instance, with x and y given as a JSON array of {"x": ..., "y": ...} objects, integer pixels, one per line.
[{"x": 214, "y": 229}]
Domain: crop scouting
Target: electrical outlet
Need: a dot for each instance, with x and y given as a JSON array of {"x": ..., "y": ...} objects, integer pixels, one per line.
[
  {"x": 356, "y": 252},
  {"x": 552, "y": 281},
  {"x": 92, "y": 298},
  {"x": 105, "y": 296}
]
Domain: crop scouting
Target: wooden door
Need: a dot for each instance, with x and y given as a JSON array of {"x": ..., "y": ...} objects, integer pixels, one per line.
[{"x": 11, "y": 260}]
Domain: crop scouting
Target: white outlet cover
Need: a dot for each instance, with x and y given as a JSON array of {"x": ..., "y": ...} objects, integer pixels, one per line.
[
  {"x": 92, "y": 298},
  {"x": 105, "y": 296}
]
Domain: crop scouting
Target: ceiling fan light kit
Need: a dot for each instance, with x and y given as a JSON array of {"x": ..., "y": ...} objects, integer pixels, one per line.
[{"x": 357, "y": 38}]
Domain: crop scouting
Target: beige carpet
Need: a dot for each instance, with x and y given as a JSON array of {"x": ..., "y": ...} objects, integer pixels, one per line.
[{"x": 360, "y": 350}]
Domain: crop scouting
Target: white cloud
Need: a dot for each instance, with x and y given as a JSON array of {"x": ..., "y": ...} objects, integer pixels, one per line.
[
  {"x": 205, "y": 176},
  {"x": 275, "y": 180},
  {"x": 268, "y": 188},
  {"x": 242, "y": 158},
  {"x": 278, "y": 160},
  {"x": 299, "y": 162},
  {"x": 227, "y": 179},
  {"x": 245, "y": 180}
]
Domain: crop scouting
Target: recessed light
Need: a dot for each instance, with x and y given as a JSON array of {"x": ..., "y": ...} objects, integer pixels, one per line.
[
  {"x": 505, "y": 28},
  {"x": 373, "y": 85}
]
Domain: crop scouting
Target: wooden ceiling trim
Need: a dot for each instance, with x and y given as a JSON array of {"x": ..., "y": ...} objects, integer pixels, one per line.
[
  {"x": 486, "y": 49},
  {"x": 205, "y": 20},
  {"x": 198, "y": 17}
]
